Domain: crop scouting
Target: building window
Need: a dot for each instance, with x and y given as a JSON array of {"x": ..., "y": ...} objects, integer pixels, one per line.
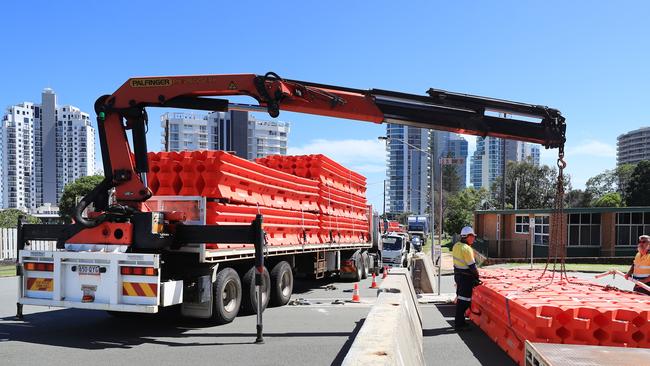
[
  {"x": 584, "y": 229},
  {"x": 541, "y": 229},
  {"x": 631, "y": 225},
  {"x": 522, "y": 225}
]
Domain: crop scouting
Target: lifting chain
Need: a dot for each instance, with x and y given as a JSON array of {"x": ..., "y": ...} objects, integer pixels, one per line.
[{"x": 558, "y": 226}]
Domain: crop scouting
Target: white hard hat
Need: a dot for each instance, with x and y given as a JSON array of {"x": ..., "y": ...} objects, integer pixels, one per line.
[{"x": 467, "y": 230}]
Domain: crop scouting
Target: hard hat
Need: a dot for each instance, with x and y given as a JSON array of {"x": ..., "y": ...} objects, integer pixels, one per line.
[{"x": 467, "y": 230}]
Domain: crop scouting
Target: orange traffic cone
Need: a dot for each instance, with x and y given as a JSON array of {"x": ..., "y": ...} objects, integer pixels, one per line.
[
  {"x": 374, "y": 282},
  {"x": 385, "y": 274},
  {"x": 355, "y": 294}
]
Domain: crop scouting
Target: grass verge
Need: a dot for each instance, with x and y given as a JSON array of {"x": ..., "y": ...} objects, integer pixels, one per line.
[
  {"x": 7, "y": 270},
  {"x": 578, "y": 267}
]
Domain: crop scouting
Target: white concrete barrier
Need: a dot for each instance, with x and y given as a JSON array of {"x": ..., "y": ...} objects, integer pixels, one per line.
[
  {"x": 424, "y": 274},
  {"x": 392, "y": 332}
]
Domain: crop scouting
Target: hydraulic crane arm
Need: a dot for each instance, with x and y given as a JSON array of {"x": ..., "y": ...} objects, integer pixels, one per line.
[{"x": 440, "y": 110}]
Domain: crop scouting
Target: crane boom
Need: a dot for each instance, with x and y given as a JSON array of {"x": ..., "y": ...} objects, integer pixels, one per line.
[{"x": 438, "y": 109}]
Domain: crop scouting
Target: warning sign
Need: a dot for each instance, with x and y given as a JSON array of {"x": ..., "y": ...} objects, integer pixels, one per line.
[{"x": 232, "y": 86}]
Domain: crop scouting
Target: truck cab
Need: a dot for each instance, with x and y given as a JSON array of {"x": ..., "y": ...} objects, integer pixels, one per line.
[{"x": 396, "y": 250}]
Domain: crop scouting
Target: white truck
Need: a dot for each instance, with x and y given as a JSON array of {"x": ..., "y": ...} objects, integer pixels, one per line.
[{"x": 396, "y": 250}]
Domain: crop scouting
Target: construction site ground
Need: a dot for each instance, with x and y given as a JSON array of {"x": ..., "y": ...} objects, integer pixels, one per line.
[{"x": 316, "y": 332}]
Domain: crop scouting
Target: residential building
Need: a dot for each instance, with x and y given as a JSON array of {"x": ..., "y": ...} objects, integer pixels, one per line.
[
  {"x": 234, "y": 131},
  {"x": 44, "y": 147},
  {"x": 486, "y": 164},
  {"x": 408, "y": 169},
  {"x": 632, "y": 147}
]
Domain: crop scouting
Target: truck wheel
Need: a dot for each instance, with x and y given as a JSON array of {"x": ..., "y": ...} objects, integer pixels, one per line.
[
  {"x": 358, "y": 264},
  {"x": 364, "y": 262},
  {"x": 249, "y": 300},
  {"x": 226, "y": 296},
  {"x": 281, "y": 284}
]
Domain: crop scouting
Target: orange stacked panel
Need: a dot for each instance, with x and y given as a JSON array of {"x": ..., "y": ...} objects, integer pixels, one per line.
[
  {"x": 218, "y": 174},
  {"x": 341, "y": 203},
  {"x": 282, "y": 227},
  {"x": 517, "y": 305}
]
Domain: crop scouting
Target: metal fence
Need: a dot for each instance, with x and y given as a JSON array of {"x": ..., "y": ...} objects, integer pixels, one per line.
[{"x": 9, "y": 244}]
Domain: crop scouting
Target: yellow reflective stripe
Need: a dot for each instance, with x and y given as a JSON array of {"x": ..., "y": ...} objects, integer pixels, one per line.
[
  {"x": 148, "y": 292},
  {"x": 128, "y": 288}
]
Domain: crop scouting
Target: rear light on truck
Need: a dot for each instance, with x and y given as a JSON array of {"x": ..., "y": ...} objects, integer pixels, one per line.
[
  {"x": 43, "y": 267},
  {"x": 139, "y": 271}
]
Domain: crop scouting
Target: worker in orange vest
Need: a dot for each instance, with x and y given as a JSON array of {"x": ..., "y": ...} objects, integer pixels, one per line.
[
  {"x": 640, "y": 269},
  {"x": 465, "y": 275}
]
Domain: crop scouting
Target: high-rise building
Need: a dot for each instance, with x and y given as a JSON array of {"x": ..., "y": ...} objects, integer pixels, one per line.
[
  {"x": 486, "y": 164},
  {"x": 408, "y": 169},
  {"x": 632, "y": 147},
  {"x": 450, "y": 145},
  {"x": 234, "y": 131},
  {"x": 44, "y": 147}
]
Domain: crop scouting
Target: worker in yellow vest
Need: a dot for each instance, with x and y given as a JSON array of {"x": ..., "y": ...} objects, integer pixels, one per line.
[
  {"x": 465, "y": 275},
  {"x": 640, "y": 269}
]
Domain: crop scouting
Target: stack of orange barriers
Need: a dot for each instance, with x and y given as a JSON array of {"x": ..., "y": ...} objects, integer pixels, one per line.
[
  {"x": 293, "y": 205},
  {"x": 342, "y": 204},
  {"x": 517, "y": 305}
]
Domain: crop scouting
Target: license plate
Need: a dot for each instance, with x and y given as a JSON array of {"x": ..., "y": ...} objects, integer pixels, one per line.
[{"x": 88, "y": 270}]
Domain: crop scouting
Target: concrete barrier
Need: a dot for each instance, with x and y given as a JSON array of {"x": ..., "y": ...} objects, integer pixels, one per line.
[
  {"x": 392, "y": 332},
  {"x": 423, "y": 274}
]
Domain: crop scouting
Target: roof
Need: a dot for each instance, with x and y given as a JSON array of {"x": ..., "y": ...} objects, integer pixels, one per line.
[{"x": 566, "y": 210}]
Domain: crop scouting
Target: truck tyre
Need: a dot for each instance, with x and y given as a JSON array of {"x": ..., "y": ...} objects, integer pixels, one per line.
[
  {"x": 226, "y": 296},
  {"x": 249, "y": 301},
  {"x": 364, "y": 261},
  {"x": 281, "y": 284},
  {"x": 358, "y": 264}
]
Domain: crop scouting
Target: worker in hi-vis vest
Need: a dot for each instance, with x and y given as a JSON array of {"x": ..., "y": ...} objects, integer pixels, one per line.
[
  {"x": 640, "y": 269},
  {"x": 465, "y": 274}
]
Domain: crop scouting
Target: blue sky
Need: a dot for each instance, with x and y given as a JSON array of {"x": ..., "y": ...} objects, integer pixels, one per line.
[{"x": 589, "y": 59}]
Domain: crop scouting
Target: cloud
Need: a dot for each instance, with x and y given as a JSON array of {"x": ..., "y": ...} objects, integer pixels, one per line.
[
  {"x": 364, "y": 156},
  {"x": 593, "y": 148}
]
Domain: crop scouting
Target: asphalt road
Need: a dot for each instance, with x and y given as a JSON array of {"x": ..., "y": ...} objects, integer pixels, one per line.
[{"x": 316, "y": 334}]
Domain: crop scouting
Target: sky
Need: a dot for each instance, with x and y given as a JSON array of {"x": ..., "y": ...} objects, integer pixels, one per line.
[{"x": 589, "y": 59}]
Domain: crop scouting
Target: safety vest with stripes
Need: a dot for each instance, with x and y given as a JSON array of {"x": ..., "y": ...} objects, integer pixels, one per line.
[
  {"x": 463, "y": 256},
  {"x": 641, "y": 266}
]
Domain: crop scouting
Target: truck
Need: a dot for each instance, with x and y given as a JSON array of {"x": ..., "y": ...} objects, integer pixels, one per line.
[
  {"x": 132, "y": 252},
  {"x": 396, "y": 250},
  {"x": 418, "y": 225}
]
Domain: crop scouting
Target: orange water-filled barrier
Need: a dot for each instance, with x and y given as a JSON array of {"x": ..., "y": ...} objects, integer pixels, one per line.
[{"x": 516, "y": 305}]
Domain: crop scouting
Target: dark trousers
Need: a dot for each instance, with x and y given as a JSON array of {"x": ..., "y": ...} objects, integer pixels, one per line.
[
  {"x": 464, "y": 286},
  {"x": 641, "y": 290}
]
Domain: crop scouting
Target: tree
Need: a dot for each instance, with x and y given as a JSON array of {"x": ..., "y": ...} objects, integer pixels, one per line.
[
  {"x": 461, "y": 207},
  {"x": 9, "y": 218},
  {"x": 75, "y": 191},
  {"x": 638, "y": 187},
  {"x": 612, "y": 199},
  {"x": 577, "y": 198},
  {"x": 610, "y": 181},
  {"x": 536, "y": 185}
]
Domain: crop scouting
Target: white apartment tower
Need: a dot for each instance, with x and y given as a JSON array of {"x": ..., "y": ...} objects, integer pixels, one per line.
[
  {"x": 233, "y": 131},
  {"x": 43, "y": 147}
]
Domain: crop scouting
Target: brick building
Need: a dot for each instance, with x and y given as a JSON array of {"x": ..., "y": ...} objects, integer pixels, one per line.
[{"x": 590, "y": 232}]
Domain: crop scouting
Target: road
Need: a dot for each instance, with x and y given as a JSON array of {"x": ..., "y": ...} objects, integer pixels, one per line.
[{"x": 316, "y": 334}]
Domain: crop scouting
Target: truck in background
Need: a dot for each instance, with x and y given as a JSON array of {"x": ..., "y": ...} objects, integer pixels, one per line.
[{"x": 418, "y": 225}]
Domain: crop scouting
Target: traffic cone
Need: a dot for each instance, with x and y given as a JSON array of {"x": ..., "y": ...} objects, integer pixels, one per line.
[
  {"x": 355, "y": 294},
  {"x": 385, "y": 274},
  {"x": 374, "y": 282}
]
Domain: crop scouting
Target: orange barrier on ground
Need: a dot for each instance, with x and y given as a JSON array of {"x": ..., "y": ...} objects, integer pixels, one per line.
[{"x": 516, "y": 305}]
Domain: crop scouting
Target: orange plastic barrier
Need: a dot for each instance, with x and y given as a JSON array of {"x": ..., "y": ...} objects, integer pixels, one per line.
[
  {"x": 516, "y": 305},
  {"x": 282, "y": 227}
]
